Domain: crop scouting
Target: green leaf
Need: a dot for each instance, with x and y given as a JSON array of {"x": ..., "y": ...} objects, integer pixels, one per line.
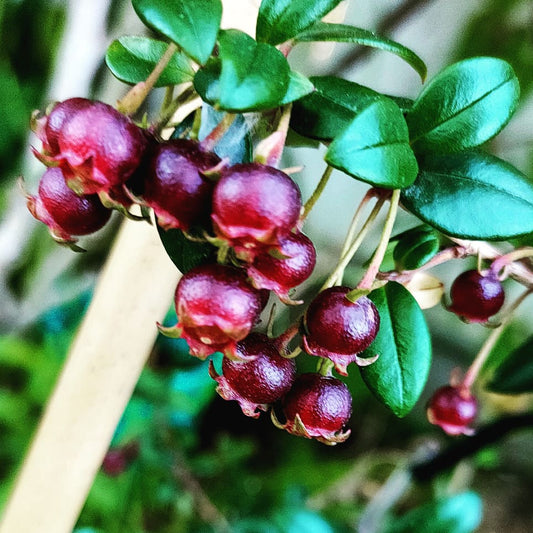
[
  {"x": 467, "y": 104},
  {"x": 247, "y": 76},
  {"x": 472, "y": 195},
  {"x": 461, "y": 513},
  {"x": 331, "y": 107},
  {"x": 415, "y": 247},
  {"x": 375, "y": 147},
  {"x": 515, "y": 374},
  {"x": 185, "y": 254},
  {"x": 298, "y": 87},
  {"x": 191, "y": 24},
  {"x": 279, "y": 20},
  {"x": 343, "y": 33},
  {"x": 131, "y": 59},
  {"x": 404, "y": 348}
]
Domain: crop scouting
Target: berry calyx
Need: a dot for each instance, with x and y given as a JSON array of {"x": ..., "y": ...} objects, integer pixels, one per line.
[
  {"x": 174, "y": 186},
  {"x": 282, "y": 268},
  {"x": 454, "y": 409},
  {"x": 254, "y": 206},
  {"x": 476, "y": 296},
  {"x": 63, "y": 211},
  {"x": 339, "y": 329},
  {"x": 216, "y": 308},
  {"x": 260, "y": 378},
  {"x": 317, "y": 407}
]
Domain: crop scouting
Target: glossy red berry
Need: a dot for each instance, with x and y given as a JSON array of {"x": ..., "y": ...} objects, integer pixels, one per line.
[
  {"x": 63, "y": 211},
  {"x": 175, "y": 187},
  {"x": 454, "y": 409},
  {"x": 260, "y": 378},
  {"x": 216, "y": 308},
  {"x": 339, "y": 329},
  {"x": 476, "y": 296},
  {"x": 318, "y": 407},
  {"x": 282, "y": 268},
  {"x": 254, "y": 206},
  {"x": 97, "y": 147}
]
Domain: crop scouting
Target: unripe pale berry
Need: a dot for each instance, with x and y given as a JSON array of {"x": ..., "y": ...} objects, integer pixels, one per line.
[
  {"x": 339, "y": 329},
  {"x": 454, "y": 409}
]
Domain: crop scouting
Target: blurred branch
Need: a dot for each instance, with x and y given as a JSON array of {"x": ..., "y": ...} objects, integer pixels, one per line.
[{"x": 390, "y": 22}]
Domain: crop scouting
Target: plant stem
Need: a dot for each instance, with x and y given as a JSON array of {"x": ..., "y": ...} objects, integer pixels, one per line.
[
  {"x": 269, "y": 150},
  {"x": 377, "y": 259},
  {"x": 218, "y": 132},
  {"x": 137, "y": 94},
  {"x": 490, "y": 342},
  {"x": 316, "y": 193},
  {"x": 506, "y": 259},
  {"x": 355, "y": 220},
  {"x": 336, "y": 275}
]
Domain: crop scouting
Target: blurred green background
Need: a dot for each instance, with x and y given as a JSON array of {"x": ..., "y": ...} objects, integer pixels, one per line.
[{"x": 194, "y": 462}]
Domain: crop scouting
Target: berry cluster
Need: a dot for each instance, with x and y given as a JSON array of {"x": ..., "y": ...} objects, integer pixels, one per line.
[{"x": 100, "y": 159}]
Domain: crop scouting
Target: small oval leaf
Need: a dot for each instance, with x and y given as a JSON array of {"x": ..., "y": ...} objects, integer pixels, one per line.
[
  {"x": 375, "y": 147},
  {"x": 343, "y": 33},
  {"x": 404, "y": 348},
  {"x": 461, "y": 513},
  {"x": 415, "y": 247},
  {"x": 191, "y": 24},
  {"x": 298, "y": 87},
  {"x": 467, "y": 104},
  {"x": 131, "y": 59},
  {"x": 472, "y": 195},
  {"x": 279, "y": 20},
  {"x": 515, "y": 374}
]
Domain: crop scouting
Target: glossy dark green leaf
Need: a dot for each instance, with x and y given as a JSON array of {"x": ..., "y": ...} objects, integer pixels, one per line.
[
  {"x": 279, "y": 20},
  {"x": 375, "y": 147},
  {"x": 467, "y": 104},
  {"x": 131, "y": 59},
  {"x": 515, "y": 374},
  {"x": 415, "y": 247},
  {"x": 472, "y": 195},
  {"x": 247, "y": 76},
  {"x": 330, "y": 107},
  {"x": 343, "y": 33},
  {"x": 191, "y": 24},
  {"x": 461, "y": 513},
  {"x": 403, "y": 344},
  {"x": 298, "y": 87},
  {"x": 185, "y": 254}
]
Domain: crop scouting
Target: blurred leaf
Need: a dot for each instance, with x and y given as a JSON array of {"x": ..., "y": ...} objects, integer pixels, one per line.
[
  {"x": 464, "y": 106},
  {"x": 131, "y": 59},
  {"x": 342, "y": 33},
  {"x": 375, "y": 147},
  {"x": 279, "y": 20},
  {"x": 134, "y": 422},
  {"x": 472, "y": 195},
  {"x": 461, "y": 513},
  {"x": 191, "y": 24},
  {"x": 415, "y": 247},
  {"x": 403, "y": 344}
]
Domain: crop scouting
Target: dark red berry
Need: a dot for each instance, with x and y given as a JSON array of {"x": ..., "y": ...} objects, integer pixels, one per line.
[
  {"x": 318, "y": 407},
  {"x": 454, "y": 409},
  {"x": 216, "y": 308},
  {"x": 175, "y": 187},
  {"x": 254, "y": 206},
  {"x": 260, "y": 378},
  {"x": 339, "y": 329},
  {"x": 63, "y": 211},
  {"x": 476, "y": 296},
  {"x": 117, "y": 460},
  {"x": 284, "y": 267},
  {"x": 97, "y": 147}
]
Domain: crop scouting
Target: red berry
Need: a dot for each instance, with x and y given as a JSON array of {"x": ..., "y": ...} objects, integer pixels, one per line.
[
  {"x": 339, "y": 329},
  {"x": 63, "y": 211},
  {"x": 97, "y": 147},
  {"x": 254, "y": 206},
  {"x": 284, "y": 267},
  {"x": 260, "y": 378},
  {"x": 475, "y": 296},
  {"x": 318, "y": 407},
  {"x": 114, "y": 463},
  {"x": 216, "y": 308},
  {"x": 454, "y": 409},
  {"x": 174, "y": 186}
]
